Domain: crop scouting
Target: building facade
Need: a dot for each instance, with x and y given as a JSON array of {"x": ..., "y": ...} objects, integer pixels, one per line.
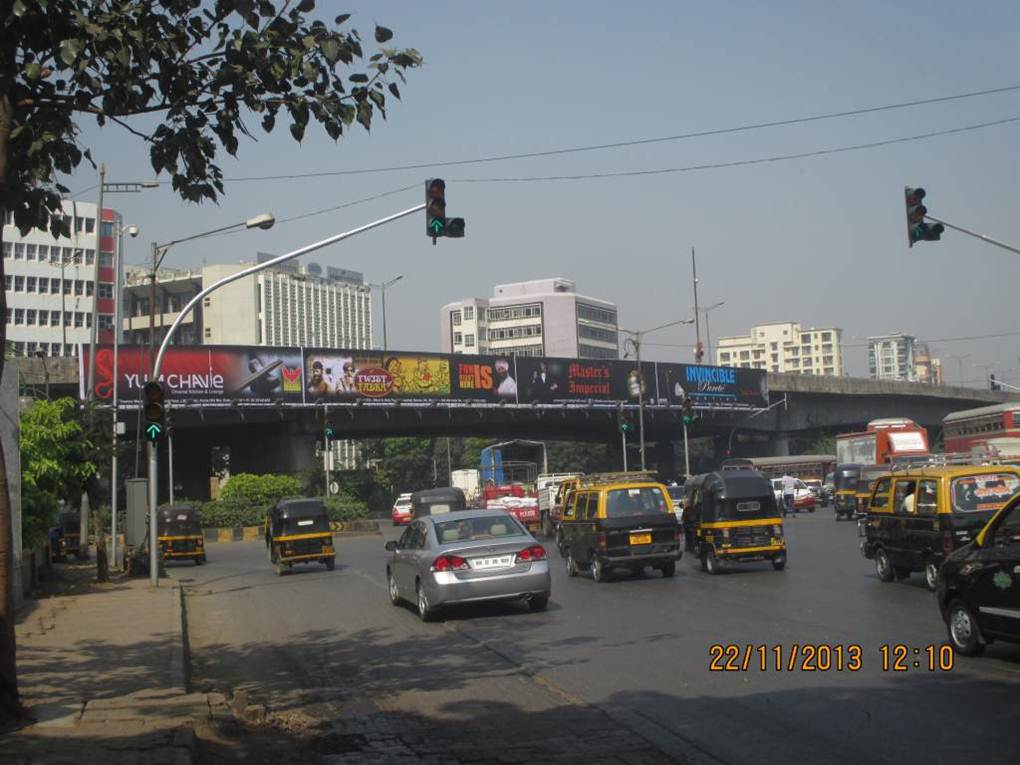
[
  {"x": 544, "y": 317},
  {"x": 892, "y": 357},
  {"x": 51, "y": 283},
  {"x": 927, "y": 369},
  {"x": 785, "y": 347}
]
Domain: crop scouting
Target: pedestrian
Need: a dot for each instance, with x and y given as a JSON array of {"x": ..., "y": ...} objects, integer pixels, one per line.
[{"x": 789, "y": 495}]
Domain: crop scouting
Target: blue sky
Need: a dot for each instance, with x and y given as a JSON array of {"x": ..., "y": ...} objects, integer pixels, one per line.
[{"x": 821, "y": 241}]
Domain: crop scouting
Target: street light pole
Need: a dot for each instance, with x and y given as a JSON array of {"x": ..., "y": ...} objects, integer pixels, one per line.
[
  {"x": 697, "y": 325},
  {"x": 382, "y": 289},
  {"x": 153, "y": 455},
  {"x": 708, "y": 329},
  {"x": 89, "y": 392}
]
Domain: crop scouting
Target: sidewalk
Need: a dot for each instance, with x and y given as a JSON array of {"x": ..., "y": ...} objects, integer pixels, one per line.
[{"x": 102, "y": 670}]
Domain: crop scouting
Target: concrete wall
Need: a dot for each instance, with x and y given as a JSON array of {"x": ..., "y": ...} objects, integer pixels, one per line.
[
  {"x": 230, "y": 314},
  {"x": 9, "y": 437}
]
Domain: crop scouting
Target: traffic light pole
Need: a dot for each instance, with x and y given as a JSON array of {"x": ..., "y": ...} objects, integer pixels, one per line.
[
  {"x": 623, "y": 437},
  {"x": 687, "y": 453},
  {"x": 975, "y": 234},
  {"x": 186, "y": 311}
]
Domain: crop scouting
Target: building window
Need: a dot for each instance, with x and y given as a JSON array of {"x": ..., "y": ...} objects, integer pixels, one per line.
[
  {"x": 105, "y": 321},
  {"x": 469, "y": 313},
  {"x": 79, "y": 287},
  {"x": 594, "y": 313},
  {"x": 44, "y": 285},
  {"x": 19, "y": 283},
  {"x": 55, "y": 318},
  {"x": 79, "y": 319},
  {"x": 30, "y": 316},
  {"x": 595, "y": 352},
  {"x": 31, "y": 252},
  {"x": 8, "y": 249},
  {"x": 105, "y": 290},
  {"x": 724, "y": 356},
  {"x": 106, "y": 229},
  {"x": 458, "y": 338},
  {"x": 745, "y": 355},
  {"x": 44, "y": 318},
  {"x": 90, "y": 225},
  {"x": 510, "y": 313},
  {"x": 19, "y": 251},
  {"x": 8, "y": 282},
  {"x": 8, "y": 218},
  {"x": 105, "y": 260},
  {"x": 596, "y": 333},
  {"x": 19, "y": 316},
  {"x": 469, "y": 341},
  {"x": 90, "y": 257},
  {"x": 88, "y": 288},
  {"x": 30, "y": 284},
  {"x": 455, "y": 317}
]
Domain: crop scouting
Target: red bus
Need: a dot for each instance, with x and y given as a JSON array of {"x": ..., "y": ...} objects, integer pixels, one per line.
[
  {"x": 992, "y": 430},
  {"x": 885, "y": 441}
]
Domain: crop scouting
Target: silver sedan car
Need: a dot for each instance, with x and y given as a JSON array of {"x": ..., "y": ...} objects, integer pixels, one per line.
[{"x": 466, "y": 557}]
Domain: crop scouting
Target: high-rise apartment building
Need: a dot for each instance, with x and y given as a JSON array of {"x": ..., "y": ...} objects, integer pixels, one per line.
[
  {"x": 892, "y": 357},
  {"x": 51, "y": 282},
  {"x": 926, "y": 368},
  {"x": 544, "y": 317},
  {"x": 785, "y": 347}
]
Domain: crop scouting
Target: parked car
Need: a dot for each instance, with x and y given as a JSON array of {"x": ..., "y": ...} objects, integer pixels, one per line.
[
  {"x": 466, "y": 557},
  {"x": 803, "y": 499},
  {"x": 978, "y": 586},
  {"x": 676, "y": 495},
  {"x": 401, "y": 512}
]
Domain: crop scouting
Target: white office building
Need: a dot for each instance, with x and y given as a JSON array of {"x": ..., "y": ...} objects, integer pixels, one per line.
[
  {"x": 544, "y": 317},
  {"x": 892, "y": 357},
  {"x": 785, "y": 347},
  {"x": 51, "y": 283}
]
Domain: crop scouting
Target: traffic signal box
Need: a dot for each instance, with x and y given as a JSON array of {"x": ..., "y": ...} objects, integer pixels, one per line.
[
  {"x": 688, "y": 411},
  {"x": 436, "y": 222},
  {"x": 329, "y": 430},
  {"x": 623, "y": 421},
  {"x": 155, "y": 410},
  {"x": 917, "y": 229}
]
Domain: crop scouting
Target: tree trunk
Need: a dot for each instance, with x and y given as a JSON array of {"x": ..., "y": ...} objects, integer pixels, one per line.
[{"x": 9, "y": 703}]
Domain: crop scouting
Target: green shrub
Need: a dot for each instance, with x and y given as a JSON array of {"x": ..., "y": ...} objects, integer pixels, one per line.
[
  {"x": 226, "y": 513},
  {"x": 261, "y": 490},
  {"x": 344, "y": 507}
]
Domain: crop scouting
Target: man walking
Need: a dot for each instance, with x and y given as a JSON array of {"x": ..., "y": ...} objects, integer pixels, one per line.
[{"x": 789, "y": 495}]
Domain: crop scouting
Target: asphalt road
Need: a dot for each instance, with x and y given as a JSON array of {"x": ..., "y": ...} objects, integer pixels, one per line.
[{"x": 610, "y": 668}]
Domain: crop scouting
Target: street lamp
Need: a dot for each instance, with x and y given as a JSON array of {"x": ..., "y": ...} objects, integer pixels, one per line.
[
  {"x": 635, "y": 339},
  {"x": 159, "y": 251},
  {"x": 708, "y": 329},
  {"x": 382, "y": 289}
]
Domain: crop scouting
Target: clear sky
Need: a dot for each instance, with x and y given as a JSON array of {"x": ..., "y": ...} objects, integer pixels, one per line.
[{"x": 821, "y": 240}]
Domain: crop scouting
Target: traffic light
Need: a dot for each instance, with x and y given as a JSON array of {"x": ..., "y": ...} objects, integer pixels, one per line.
[
  {"x": 992, "y": 384},
  {"x": 436, "y": 222},
  {"x": 699, "y": 352},
  {"x": 688, "y": 411},
  {"x": 623, "y": 421},
  {"x": 917, "y": 229},
  {"x": 329, "y": 431},
  {"x": 155, "y": 411}
]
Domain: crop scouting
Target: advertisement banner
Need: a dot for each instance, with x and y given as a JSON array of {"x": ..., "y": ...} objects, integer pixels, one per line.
[
  {"x": 484, "y": 378},
  {"x": 712, "y": 387},
  {"x": 549, "y": 380},
  {"x": 630, "y": 387},
  {"x": 202, "y": 375},
  {"x": 331, "y": 375}
]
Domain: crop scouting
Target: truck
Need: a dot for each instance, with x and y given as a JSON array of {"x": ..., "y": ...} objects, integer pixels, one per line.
[
  {"x": 547, "y": 486},
  {"x": 469, "y": 482},
  {"x": 509, "y": 476}
]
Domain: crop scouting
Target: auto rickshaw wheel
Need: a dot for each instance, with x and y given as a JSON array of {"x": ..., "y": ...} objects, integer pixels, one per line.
[
  {"x": 883, "y": 566},
  {"x": 598, "y": 571},
  {"x": 931, "y": 573},
  {"x": 330, "y": 564},
  {"x": 711, "y": 562},
  {"x": 668, "y": 569},
  {"x": 779, "y": 561},
  {"x": 571, "y": 564}
]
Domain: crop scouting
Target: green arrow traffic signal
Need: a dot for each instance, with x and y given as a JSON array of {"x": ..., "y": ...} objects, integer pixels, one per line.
[
  {"x": 153, "y": 431},
  {"x": 436, "y": 226}
]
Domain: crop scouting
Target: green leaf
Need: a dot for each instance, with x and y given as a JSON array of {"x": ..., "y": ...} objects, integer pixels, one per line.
[
  {"x": 358, "y": 77},
  {"x": 330, "y": 49},
  {"x": 393, "y": 90},
  {"x": 19, "y": 8},
  {"x": 70, "y": 49},
  {"x": 306, "y": 6},
  {"x": 269, "y": 122},
  {"x": 382, "y": 34},
  {"x": 298, "y": 131},
  {"x": 342, "y": 18},
  {"x": 33, "y": 72}
]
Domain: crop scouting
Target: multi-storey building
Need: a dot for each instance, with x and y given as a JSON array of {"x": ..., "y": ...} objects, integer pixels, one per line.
[
  {"x": 51, "y": 282},
  {"x": 892, "y": 357},
  {"x": 544, "y": 317},
  {"x": 926, "y": 368},
  {"x": 174, "y": 288},
  {"x": 785, "y": 347}
]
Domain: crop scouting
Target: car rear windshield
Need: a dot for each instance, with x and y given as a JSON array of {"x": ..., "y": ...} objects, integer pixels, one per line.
[
  {"x": 646, "y": 500},
  {"x": 471, "y": 529},
  {"x": 989, "y": 491}
]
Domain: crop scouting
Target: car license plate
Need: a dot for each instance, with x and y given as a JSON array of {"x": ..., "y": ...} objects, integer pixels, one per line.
[
  {"x": 640, "y": 539},
  {"x": 502, "y": 561}
]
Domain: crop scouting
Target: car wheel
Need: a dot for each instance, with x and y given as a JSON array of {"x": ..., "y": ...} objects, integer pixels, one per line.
[
  {"x": 883, "y": 566},
  {"x": 279, "y": 568},
  {"x": 668, "y": 569},
  {"x": 425, "y": 610},
  {"x": 571, "y": 564},
  {"x": 330, "y": 564},
  {"x": 964, "y": 633},
  {"x": 391, "y": 587},
  {"x": 931, "y": 574},
  {"x": 538, "y": 602},
  {"x": 711, "y": 562},
  {"x": 598, "y": 571}
]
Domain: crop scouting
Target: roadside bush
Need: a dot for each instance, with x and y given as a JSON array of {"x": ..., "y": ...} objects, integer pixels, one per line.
[
  {"x": 344, "y": 507},
  {"x": 226, "y": 513},
  {"x": 261, "y": 490}
]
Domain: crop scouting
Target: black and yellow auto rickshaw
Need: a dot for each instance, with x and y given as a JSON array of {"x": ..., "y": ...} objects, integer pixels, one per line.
[
  {"x": 732, "y": 515},
  {"x": 446, "y": 499},
  {"x": 298, "y": 531},
  {"x": 179, "y": 533},
  {"x": 844, "y": 491},
  {"x": 70, "y": 536}
]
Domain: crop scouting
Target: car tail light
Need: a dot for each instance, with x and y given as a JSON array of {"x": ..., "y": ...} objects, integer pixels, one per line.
[
  {"x": 529, "y": 554},
  {"x": 947, "y": 543},
  {"x": 450, "y": 563},
  {"x": 602, "y": 540}
]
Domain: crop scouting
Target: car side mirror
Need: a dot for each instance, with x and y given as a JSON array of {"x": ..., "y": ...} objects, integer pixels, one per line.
[{"x": 391, "y": 546}]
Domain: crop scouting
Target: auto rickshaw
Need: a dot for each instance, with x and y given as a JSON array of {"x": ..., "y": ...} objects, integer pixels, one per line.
[
  {"x": 179, "y": 533},
  {"x": 447, "y": 499},
  {"x": 732, "y": 515},
  {"x": 844, "y": 499},
  {"x": 298, "y": 531},
  {"x": 68, "y": 537}
]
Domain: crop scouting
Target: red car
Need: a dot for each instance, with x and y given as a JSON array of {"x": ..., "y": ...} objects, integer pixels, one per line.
[{"x": 401, "y": 512}]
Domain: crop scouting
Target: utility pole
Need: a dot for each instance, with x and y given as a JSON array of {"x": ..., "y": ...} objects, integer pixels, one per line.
[
  {"x": 697, "y": 323},
  {"x": 89, "y": 392}
]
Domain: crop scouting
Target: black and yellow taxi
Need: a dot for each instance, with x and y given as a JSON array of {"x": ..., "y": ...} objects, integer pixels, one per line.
[
  {"x": 619, "y": 520},
  {"x": 844, "y": 490},
  {"x": 918, "y": 516},
  {"x": 978, "y": 586},
  {"x": 179, "y": 533},
  {"x": 732, "y": 515},
  {"x": 298, "y": 531}
]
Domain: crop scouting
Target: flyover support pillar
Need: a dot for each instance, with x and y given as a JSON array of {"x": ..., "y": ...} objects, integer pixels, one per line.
[{"x": 780, "y": 443}]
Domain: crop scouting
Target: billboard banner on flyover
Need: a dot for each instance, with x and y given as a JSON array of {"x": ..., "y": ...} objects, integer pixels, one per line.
[{"x": 266, "y": 376}]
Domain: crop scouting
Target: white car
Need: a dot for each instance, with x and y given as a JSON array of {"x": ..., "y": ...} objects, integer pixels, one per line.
[{"x": 802, "y": 495}]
